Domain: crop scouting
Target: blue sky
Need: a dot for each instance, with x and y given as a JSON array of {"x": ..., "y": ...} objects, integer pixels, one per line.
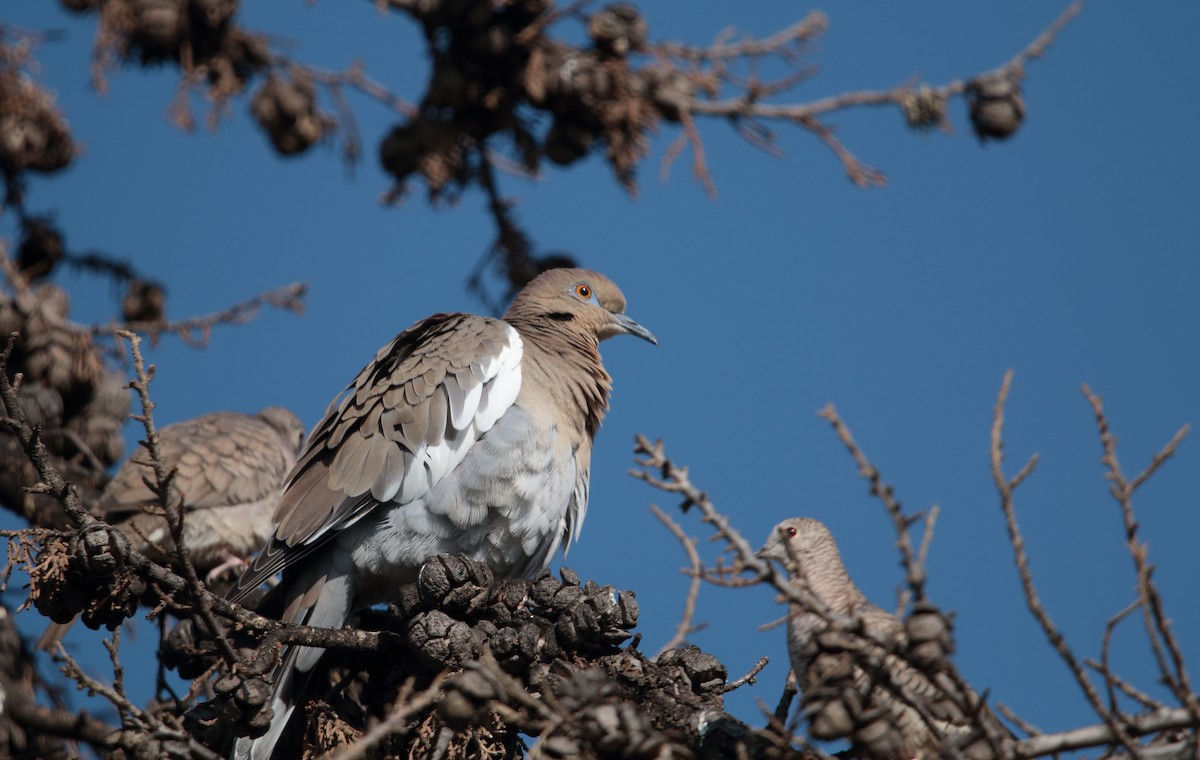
[{"x": 1068, "y": 254}]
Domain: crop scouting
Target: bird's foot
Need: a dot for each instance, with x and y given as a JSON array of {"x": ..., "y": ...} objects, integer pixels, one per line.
[{"x": 231, "y": 562}]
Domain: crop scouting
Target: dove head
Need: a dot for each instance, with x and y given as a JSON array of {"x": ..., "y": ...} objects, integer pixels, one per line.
[
  {"x": 801, "y": 539},
  {"x": 578, "y": 299},
  {"x": 287, "y": 424}
]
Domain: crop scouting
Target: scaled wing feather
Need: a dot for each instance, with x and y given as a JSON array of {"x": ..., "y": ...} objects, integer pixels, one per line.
[{"x": 377, "y": 444}]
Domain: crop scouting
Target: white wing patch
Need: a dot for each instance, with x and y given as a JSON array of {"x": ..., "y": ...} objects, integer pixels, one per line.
[
  {"x": 501, "y": 392},
  {"x": 470, "y": 413},
  {"x": 463, "y": 402}
]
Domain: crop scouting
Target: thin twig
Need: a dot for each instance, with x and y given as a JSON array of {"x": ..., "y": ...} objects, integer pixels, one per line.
[
  {"x": 1129, "y": 689},
  {"x": 1006, "y": 487},
  {"x": 790, "y": 690},
  {"x": 131, "y": 713},
  {"x": 169, "y": 496},
  {"x": 548, "y": 17},
  {"x": 749, "y": 104},
  {"x": 511, "y": 247},
  {"x": 782, "y": 733},
  {"x": 407, "y": 704},
  {"x": 1038, "y": 47},
  {"x": 50, "y": 481},
  {"x": 1018, "y": 721},
  {"x": 914, "y": 565},
  {"x": 927, "y": 538},
  {"x": 859, "y": 173},
  {"x": 1105, "y": 647},
  {"x": 675, "y": 480},
  {"x": 113, "y": 647},
  {"x": 1158, "y": 626},
  {"x": 743, "y": 106},
  {"x": 810, "y": 27},
  {"x": 699, "y": 162},
  {"x": 749, "y": 678},
  {"x": 685, "y": 626},
  {"x": 197, "y": 331}
]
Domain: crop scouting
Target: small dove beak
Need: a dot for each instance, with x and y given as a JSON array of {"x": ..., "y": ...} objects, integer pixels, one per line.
[
  {"x": 628, "y": 326},
  {"x": 771, "y": 550}
]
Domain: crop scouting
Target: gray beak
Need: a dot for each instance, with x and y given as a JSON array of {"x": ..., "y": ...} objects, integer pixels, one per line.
[
  {"x": 628, "y": 326},
  {"x": 772, "y": 549}
]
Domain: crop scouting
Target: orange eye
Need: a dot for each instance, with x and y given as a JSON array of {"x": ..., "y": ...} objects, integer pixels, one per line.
[{"x": 583, "y": 291}]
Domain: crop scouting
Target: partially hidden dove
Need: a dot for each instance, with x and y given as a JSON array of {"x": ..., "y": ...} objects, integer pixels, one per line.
[
  {"x": 229, "y": 468},
  {"x": 853, "y": 676}
]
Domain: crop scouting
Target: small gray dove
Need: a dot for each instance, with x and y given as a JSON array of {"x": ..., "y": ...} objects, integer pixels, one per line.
[
  {"x": 229, "y": 472},
  {"x": 852, "y": 687},
  {"x": 465, "y": 435}
]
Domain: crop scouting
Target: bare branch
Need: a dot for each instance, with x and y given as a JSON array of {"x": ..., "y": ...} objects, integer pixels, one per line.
[
  {"x": 51, "y": 482},
  {"x": 858, "y": 172},
  {"x": 355, "y": 77},
  {"x": 1005, "y": 487},
  {"x": 749, "y": 104},
  {"x": 1110, "y": 679},
  {"x": 131, "y": 714},
  {"x": 790, "y": 690},
  {"x": 699, "y": 162},
  {"x": 685, "y": 626},
  {"x": 749, "y": 677},
  {"x": 408, "y": 705},
  {"x": 806, "y": 29},
  {"x": 1129, "y": 689},
  {"x": 1101, "y": 735},
  {"x": 1158, "y": 627},
  {"x": 1018, "y": 721},
  {"x": 61, "y": 723},
  {"x": 675, "y": 480},
  {"x": 797, "y": 113},
  {"x": 196, "y": 331},
  {"x": 169, "y": 496},
  {"x": 1038, "y": 47},
  {"x": 914, "y": 565}
]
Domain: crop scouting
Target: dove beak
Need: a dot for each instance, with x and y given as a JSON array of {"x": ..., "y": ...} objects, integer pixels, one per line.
[{"x": 628, "y": 326}]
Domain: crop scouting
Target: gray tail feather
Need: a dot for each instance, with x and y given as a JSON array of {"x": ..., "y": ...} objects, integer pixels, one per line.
[
  {"x": 284, "y": 696},
  {"x": 295, "y": 670}
]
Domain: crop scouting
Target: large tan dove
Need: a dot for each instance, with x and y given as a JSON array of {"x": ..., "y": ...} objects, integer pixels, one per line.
[
  {"x": 852, "y": 686},
  {"x": 229, "y": 472},
  {"x": 465, "y": 434}
]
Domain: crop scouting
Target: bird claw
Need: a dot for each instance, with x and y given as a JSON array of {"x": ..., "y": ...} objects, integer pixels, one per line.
[{"x": 231, "y": 562}]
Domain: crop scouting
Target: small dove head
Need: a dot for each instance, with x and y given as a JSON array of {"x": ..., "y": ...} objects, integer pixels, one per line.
[
  {"x": 799, "y": 539},
  {"x": 287, "y": 424},
  {"x": 580, "y": 297}
]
